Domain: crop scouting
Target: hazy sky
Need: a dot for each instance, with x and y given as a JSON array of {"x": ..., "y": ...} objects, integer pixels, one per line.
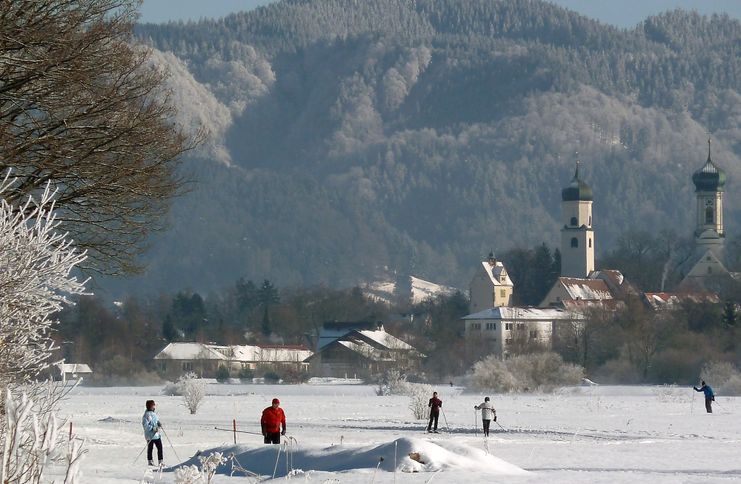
[{"x": 623, "y": 13}]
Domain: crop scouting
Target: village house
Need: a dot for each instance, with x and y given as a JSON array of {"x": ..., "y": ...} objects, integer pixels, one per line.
[
  {"x": 503, "y": 328},
  {"x": 175, "y": 359},
  {"x": 363, "y": 354},
  {"x": 73, "y": 371},
  {"x": 491, "y": 286}
]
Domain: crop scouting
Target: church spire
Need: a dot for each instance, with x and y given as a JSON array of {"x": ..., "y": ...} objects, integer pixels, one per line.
[{"x": 709, "y": 150}]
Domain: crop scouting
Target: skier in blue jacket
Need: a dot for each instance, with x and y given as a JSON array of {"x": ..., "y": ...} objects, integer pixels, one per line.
[
  {"x": 151, "y": 424},
  {"x": 709, "y": 396}
]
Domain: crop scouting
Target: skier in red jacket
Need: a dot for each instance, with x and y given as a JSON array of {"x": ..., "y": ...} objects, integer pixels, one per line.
[
  {"x": 434, "y": 404},
  {"x": 273, "y": 419}
]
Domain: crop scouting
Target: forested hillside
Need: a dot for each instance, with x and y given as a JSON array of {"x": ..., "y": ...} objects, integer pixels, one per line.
[{"x": 351, "y": 139}]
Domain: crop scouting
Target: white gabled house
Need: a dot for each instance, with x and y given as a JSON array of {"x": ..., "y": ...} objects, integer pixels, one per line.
[
  {"x": 73, "y": 371},
  {"x": 176, "y": 359},
  {"x": 491, "y": 286},
  {"x": 500, "y": 329}
]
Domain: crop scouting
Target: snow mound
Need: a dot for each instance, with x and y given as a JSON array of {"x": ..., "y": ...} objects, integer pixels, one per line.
[{"x": 426, "y": 456}]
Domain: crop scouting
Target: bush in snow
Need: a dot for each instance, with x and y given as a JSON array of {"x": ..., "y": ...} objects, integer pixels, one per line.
[
  {"x": 33, "y": 441},
  {"x": 419, "y": 397},
  {"x": 193, "y": 475},
  {"x": 192, "y": 389},
  {"x": 723, "y": 377},
  {"x": 222, "y": 374},
  {"x": 35, "y": 281},
  {"x": 529, "y": 372}
]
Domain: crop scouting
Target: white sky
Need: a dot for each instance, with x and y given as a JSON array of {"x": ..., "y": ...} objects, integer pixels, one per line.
[{"x": 623, "y": 13}]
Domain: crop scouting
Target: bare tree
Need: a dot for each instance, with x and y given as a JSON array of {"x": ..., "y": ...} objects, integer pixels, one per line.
[{"x": 83, "y": 108}]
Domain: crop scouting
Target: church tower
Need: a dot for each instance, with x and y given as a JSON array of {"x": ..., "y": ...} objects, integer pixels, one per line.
[
  {"x": 577, "y": 234},
  {"x": 709, "y": 186}
]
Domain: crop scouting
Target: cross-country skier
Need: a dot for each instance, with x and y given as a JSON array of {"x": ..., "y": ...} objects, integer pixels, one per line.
[
  {"x": 151, "y": 424},
  {"x": 273, "y": 419},
  {"x": 487, "y": 413},
  {"x": 709, "y": 396},
  {"x": 434, "y": 404}
]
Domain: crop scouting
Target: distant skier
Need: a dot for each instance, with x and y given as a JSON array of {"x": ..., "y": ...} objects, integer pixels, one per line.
[
  {"x": 273, "y": 419},
  {"x": 709, "y": 396},
  {"x": 434, "y": 404},
  {"x": 487, "y": 414},
  {"x": 151, "y": 424}
]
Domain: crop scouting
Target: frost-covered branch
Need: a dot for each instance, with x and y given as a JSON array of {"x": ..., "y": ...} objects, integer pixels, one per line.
[{"x": 36, "y": 263}]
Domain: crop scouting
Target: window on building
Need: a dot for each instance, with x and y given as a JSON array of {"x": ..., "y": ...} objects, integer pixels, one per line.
[
  {"x": 491, "y": 326},
  {"x": 573, "y": 221},
  {"x": 520, "y": 326},
  {"x": 502, "y": 293},
  {"x": 187, "y": 366},
  {"x": 710, "y": 270},
  {"x": 708, "y": 215},
  {"x": 590, "y": 220},
  {"x": 508, "y": 341},
  {"x": 508, "y": 326},
  {"x": 476, "y": 326},
  {"x": 590, "y": 243},
  {"x": 533, "y": 334},
  {"x": 574, "y": 242},
  {"x": 163, "y": 366}
]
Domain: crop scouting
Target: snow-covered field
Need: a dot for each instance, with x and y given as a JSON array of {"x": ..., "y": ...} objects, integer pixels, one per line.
[{"x": 341, "y": 432}]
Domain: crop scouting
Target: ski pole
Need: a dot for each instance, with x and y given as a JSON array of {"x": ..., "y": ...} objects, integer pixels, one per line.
[
  {"x": 238, "y": 431},
  {"x": 168, "y": 441},
  {"x": 500, "y": 425},
  {"x": 446, "y": 420},
  {"x": 140, "y": 453},
  {"x": 476, "y": 420}
]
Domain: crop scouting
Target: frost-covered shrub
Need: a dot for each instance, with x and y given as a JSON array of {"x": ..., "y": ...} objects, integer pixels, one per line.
[
  {"x": 530, "y": 372},
  {"x": 193, "y": 475},
  {"x": 36, "y": 263},
  {"x": 419, "y": 397},
  {"x": 33, "y": 441},
  {"x": 724, "y": 377},
  {"x": 192, "y": 389}
]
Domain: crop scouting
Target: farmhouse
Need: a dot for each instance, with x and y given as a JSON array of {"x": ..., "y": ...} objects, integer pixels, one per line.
[
  {"x": 362, "y": 354},
  {"x": 176, "y": 359}
]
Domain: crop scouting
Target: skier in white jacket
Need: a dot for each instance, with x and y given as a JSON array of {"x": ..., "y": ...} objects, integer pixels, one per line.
[{"x": 487, "y": 414}]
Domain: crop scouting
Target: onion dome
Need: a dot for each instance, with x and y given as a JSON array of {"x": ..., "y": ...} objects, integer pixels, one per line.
[
  {"x": 577, "y": 190},
  {"x": 709, "y": 178}
]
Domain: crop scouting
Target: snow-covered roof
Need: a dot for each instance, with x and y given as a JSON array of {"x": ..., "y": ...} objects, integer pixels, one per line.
[
  {"x": 578, "y": 288},
  {"x": 366, "y": 350},
  {"x": 498, "y": 275},
  {"x": 284, "y": 353},
  {"x": 74, "y": 368},
  {"x": 668, "y": 300},
  {"x": 387, "y": 340},
  {"x": 421, "y": 289},
  {"x": 244, "y": 353},
  {"x": 334, "y": 330},
  {"x": 190, "y": 351},
  {"x": 527, "y": 313}
]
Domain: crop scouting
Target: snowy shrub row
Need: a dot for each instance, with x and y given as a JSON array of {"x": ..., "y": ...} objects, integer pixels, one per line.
[
  {"x": 724, "y": 377},
  {"x": 542, "y": 372}
]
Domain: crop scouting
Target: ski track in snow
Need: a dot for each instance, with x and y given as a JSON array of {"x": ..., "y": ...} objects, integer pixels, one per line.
[{"x": 581, "y": 435}]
